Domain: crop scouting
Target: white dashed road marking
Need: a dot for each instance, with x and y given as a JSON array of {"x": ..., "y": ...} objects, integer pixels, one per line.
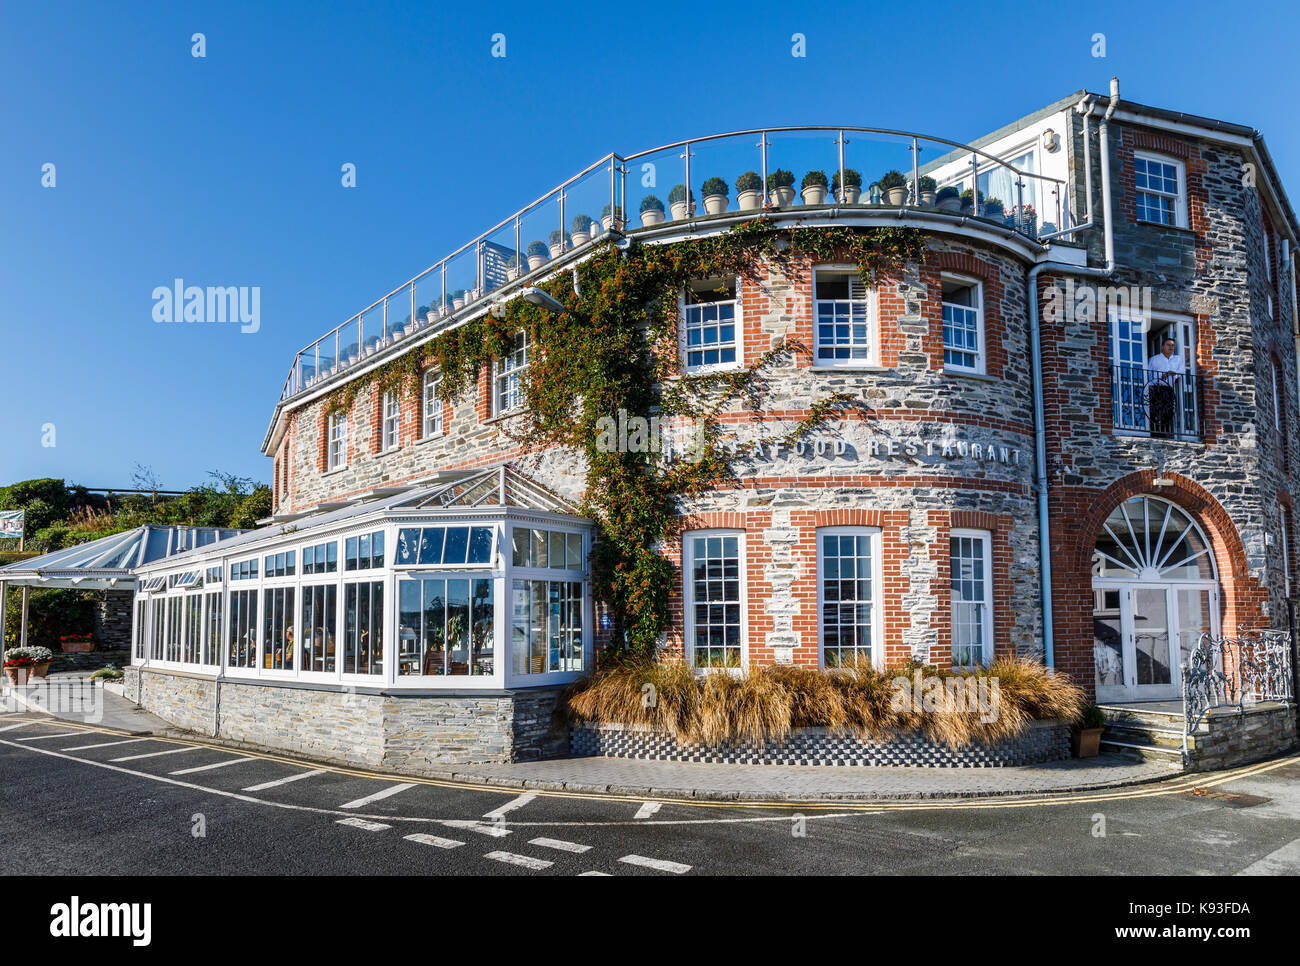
[
  {"x": 560, "y": 844},
  {"x": 61, "y": 734},
  {"x": 284, "y": 781},
  {"x": 511, "y": 805},
  {"x": 527, "y": 861},
  {"x": 385, "y": 793},
  {"x": 157, "y": 754},
  {"x": 106, "y": 744},
  {"x": 434, "y": 840},
  {"x": 661, "y": 865},
  {"x": 362, "y": 823},
  {"x": 483, "y": 828},
  {"x": 220, "y": 764},
  {"x": 647, "y": 809},
  {"x": 593, "y": 872}
]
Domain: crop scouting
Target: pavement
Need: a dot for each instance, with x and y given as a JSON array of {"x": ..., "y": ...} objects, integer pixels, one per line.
[
  {"x": 690, "y": 780},
  {"x": 92, "y": 800}
]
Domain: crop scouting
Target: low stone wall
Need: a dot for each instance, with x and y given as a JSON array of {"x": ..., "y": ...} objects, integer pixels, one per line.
[
  {"x": 1041, "y": 741},
  {"x": 1237, "y": 738},
  {"x": 416, "y": 733}
]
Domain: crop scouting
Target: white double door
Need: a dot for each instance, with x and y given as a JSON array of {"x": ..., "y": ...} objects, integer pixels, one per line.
[{"x": 1143, "y": 632}]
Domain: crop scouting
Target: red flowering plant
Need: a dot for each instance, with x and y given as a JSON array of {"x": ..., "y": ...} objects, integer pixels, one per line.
[
  {"x": 27, "y": 656},
  {"x": 76, "y": 638}
]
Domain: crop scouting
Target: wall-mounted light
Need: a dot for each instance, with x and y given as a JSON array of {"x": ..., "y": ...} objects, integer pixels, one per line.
[
  {"x": 1050, "y": 141},
  {"x": 535, "y": 296}
]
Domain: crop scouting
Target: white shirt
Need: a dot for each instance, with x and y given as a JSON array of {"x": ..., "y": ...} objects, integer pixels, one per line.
[{"x": 1170, "y": 364}]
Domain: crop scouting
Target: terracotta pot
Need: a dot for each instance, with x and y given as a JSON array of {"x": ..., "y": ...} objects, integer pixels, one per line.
[
  {"x": 18, "y": 675},
  {"x": 40, "y": 670},
  {"x": 78, "y": 647},
  {"x": 1085, "y": 742},
  {"x": 715, "y": 204}
]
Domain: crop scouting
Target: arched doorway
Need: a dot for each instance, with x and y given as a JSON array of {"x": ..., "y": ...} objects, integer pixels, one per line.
[{"x": 1155, "y": 590}]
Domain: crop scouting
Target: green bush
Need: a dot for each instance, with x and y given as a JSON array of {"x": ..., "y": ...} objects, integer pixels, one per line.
[
  {"x": 749, "y": 181},
  {"x": 950, "y": 191},
  {"x": 581, "y": 223},
  {"x": 678, "y": 194},
  {"x": 1091, "y": 717},
  {"x": 651, "y": 203},
  {"x": 556, "y": 235},
  {"x": 780, "y": 178},
  {"x": 927, "y": 183},
  {"x": 892, "y": 179},
  {"x": 817, "y": 178},
  {"x": 108, "y": 674},
  {"x": 714, "y": 186},
  {"x": 537, "y": 248},
  {"x": 851, "y": 178}
]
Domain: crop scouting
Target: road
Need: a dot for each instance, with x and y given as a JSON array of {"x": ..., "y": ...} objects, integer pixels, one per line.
[{"x": 95, "y": 802}]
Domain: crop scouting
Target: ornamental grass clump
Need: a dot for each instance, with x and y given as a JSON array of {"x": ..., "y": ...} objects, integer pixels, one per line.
[{"x": 953, "y": 707}]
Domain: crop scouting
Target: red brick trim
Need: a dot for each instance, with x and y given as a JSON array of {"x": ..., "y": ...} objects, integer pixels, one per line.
[{"x": 990, "y": 276}]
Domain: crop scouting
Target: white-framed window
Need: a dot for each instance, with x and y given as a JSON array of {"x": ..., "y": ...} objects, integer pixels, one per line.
[
  {"x": 337, "y": 452},
  {"x": 971, "y": 562},
  {"x": 1159, "y": 185},
  {"x": 431, "y": 408},
  {"x": 392, "y": 420},
  {"x": 842, "y": 318},
  {"x": 710, "y": 313},
  {"x": 509, "y": 375},
  {"x": 963, "y": 324},
  {"x": 714, "y": 594},
  {"x": 848, "y": 561}
]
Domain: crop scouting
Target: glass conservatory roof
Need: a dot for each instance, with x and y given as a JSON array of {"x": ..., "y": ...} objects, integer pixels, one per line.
[{"x": 104, "y": 563}]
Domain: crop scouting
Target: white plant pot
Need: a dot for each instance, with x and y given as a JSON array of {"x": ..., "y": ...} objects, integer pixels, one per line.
[
  {"x": 782, "y": 197},
  {"x": 607, "y": 222},
  {"x": 458, "y": 302},
  {"x": 580, "y": 238},
  {"x": 512, "y": 274},
  {"x": 927, "y": 198},
  {"x": 715, "y": 204},
  {"x": 850, "y": 195},
  {"x": 896, "y": 196},
  {"x": 652, "y": 216},
  {"x": 814, "y": 194},
  {"x": 748, "y": 200},
  {"x": 950, "y": 204},
  {"x": 431, "y": 315},
  {"x": 678, "y": 210},
  {"x": 536, "y": 261},
  {"x": 557, "y": 249}
]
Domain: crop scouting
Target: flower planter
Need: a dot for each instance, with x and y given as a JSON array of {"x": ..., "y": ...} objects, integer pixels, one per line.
[
  {"x": 580, "y": 238},
  {"x": 607, "y": 222},
  {"x": 512, "y": 274},
  {"x": 927, "y": 198},
  {"x": 850, "y": 196},
  {"x": 814, "y": 194},
  {"x": 652, "y": 217},
  {"x": 536, "y": 261},
  {"x": 896, "y": 196},
  {"x": 1085, "y": 742},
  {"x": 678, "y": 210},
  {"x": 557, "y": 249},
  {"x": 782, "y": 197},
  {"x": 78, "y": 647},
  {"x": 18, "y": 675},
  {"x": 748, "y": 200},
  {"x": 715, "y": 204},
  {"x": 950, "y": 204}
]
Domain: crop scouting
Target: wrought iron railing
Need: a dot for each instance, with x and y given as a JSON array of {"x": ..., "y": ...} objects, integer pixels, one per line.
[
  {"x": 1223, "y": 672},
  {"x": 841, "y": 165},
  {"x": 1158, "y": 404}
]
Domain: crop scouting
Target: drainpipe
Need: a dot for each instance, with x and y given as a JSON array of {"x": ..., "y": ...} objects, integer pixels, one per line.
[{"x": 1036, "y": 357}]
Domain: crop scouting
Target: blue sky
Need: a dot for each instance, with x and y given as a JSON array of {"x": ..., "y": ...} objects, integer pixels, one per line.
[{"x": 225, "y": 170}]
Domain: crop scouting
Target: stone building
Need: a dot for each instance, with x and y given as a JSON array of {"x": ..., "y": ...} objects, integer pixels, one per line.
[{"x": 1024, "y": 447}]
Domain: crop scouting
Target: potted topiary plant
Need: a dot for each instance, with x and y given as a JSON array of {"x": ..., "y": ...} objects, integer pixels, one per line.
[
  {"x": 948, "y": 198},
  {"x": 928, "y": 186},
  {"x": 537, "y": 255},
  {"x": 852, "y": 187},
  {"x": 678, "y": 203},
  {"x": 581, "y": 230},
  {"x": 458, "y": 299},
  {"x": 966, "y": 197},
  {"x": 749, "y": 191},
  {"x": 993, "y": 209},
  {"x": 512, "y": 268},
  {"x": 894, "y": 187},
  {"x": 23, "y": 664},
  {"x": 560, "y": 240},
  {"x": 780, "y": 186},
  {"x": 1085, "y": 735},
  {"x": 813, "y": 188},
  {"x": 612, "y": 218},
  {"x": 715, "y": 196},
  {"x": 652, "y": 211}
]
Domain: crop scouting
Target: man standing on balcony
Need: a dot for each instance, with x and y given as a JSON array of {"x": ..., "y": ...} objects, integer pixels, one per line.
[{"x": 1166, "y": 370}]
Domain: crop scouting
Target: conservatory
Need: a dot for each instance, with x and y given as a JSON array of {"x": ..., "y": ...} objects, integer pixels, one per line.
[{"x": 473, "y": 581}]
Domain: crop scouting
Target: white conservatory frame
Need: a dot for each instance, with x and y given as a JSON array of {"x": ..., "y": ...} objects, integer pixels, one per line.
[{"x": 457, "y": 499}]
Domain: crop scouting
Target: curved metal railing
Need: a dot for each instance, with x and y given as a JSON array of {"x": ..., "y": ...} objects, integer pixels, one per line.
[
  {"x": 564, "y": 218},
  {"x": 1223, "y": 672}
]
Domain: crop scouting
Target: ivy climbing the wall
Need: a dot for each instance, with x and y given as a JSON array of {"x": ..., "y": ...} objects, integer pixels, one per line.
[{"x": 614, "y": 349}]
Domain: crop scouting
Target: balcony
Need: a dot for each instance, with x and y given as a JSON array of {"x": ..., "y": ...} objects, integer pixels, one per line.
[
  {"x": 730, "y": 174},
  {"x": 1159, "y": 405}
]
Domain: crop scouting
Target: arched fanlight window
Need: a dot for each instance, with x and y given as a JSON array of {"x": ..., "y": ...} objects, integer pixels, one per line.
[{"x": 1147, "y": 538}]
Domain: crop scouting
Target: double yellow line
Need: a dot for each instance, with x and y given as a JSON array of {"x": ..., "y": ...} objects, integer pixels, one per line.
[{"x": 1176, "y": 785}]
